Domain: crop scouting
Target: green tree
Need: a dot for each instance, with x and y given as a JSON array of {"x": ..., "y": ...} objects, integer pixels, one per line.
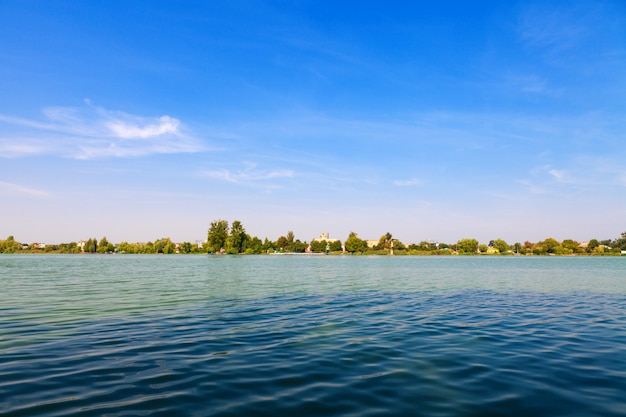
[
  {"x": 593, "y": 244},
  {"x": 104, "y": 246},
  {"x": 551, "y": 245},
  {"x": 319, "y": 245},
  {"x": 217, "y": 235},
  {"x": 539, "y": 249},
  {"x": 467, "y": 246},
  {"x": 71, "y": 247},
  {"x": 125, "y": 247},
  {"x": 335, "y": 246},
  {"x": 282, "y": 243},
  {"x": 147, "y": 248},
  {"x": 424, "y": 246},
  {"x": 298, "y": 246},
  {"x": 236, "y": 241},
  {"x": 164, "y": 245},
  {"x": 292, "y": 243},
  {"x": 620, "y": 243},
  {"x": 326, "y": 245},
  {"x": 51, "y": 248},
  {"x": 385, "y": 241},
  {"x": 10, "y": 245},
  {"x": 570, "y": 244},
  {"x": 268, "y": 245},
  {"x": 185, "y": 247},
  {"x": 354, "y": 244},
  {"x": 501, "y": 245},
  {"x": 91, "y": 245},
  {"x": 254, "y": 245}
]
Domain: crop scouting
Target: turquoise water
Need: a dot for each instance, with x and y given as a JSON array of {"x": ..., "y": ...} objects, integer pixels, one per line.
[{"x": 125, "y": 335}]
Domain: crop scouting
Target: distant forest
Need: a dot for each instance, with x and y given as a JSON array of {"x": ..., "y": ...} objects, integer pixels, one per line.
[{"x": 223, "y": 238}]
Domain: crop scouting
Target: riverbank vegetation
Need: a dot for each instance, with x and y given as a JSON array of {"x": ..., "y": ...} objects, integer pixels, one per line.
[{"x": 223, "y": 238}]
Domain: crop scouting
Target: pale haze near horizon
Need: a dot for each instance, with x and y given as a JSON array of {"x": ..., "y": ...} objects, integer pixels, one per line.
[{"x": 142, "y": 120}]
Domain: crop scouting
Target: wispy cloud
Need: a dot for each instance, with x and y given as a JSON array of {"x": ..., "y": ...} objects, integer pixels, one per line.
[
  {"x": 527, "y": 83},
  {"x": 163, "y": 126},
  {"x": 561, "y": 32},
  {"x": 545, "y": 180},
  {"x": 553, "y": 28},
  {"x": 12, "y": 150},
  {"x": 248, "y": 175},
  {"x": 559, "y": 175},
  {"x": 92, "y": 132},
  {"x": 413, "y": 182},
  {"x": 581, "y": 174},
  {"x": 12, "y": 188}
]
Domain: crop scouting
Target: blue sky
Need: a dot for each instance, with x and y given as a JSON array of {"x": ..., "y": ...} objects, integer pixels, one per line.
[{"x": 430, "y": 120}]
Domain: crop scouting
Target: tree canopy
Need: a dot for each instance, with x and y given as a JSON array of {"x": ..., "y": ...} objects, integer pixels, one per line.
[
  {"x": 217, "y": 235},
  {"x": 235, "y": 240}
]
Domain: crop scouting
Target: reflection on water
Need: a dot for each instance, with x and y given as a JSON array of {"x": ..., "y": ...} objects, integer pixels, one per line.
[{"x": 338, "y": 336}]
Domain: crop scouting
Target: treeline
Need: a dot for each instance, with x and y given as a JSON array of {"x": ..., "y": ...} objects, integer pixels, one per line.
[{"x": 233, "y": 239}]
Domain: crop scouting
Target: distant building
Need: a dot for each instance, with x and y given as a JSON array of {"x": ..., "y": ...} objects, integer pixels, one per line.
[
  {"x": 371, "y": 243},
  {"x": 324, "y": 236}
]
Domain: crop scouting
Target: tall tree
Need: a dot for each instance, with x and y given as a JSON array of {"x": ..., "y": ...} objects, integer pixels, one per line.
[
  {"x": 335, "y": 246},
  {"x": 501, "y": 245},
  {"x": 268, "y": 245},
  {"x": 185, "y": 247},
  {"x": 355, "y": 244},
  {"x": 104, "y": 246},
  {"x": 254, "y": 245},
  {"x": 164, "y": 245},
  {"x": 593, "y": 244},
  {"x": 385, "y": 241},
  {"x": 282, "y": 243},
  {"x": 217, "y": 235},
  {"x": 551, "y": 244},
  {"x": 9, "y": 245},
  {"x": 318, "y": 245},
  {"x": 91, "y": 245},
  {"x": 236, "y": 241},
  {"x": 467, "y": 245},
  {"x": 620, "y": 242}
]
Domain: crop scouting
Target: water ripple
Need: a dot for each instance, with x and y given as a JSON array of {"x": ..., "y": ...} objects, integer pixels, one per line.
[
  {"x": 195, "y": 336},
  {"x": 374, "y": 353}
]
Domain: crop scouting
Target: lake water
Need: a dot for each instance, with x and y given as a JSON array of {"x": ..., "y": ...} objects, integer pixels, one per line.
[{"x": 126, "y": 335}]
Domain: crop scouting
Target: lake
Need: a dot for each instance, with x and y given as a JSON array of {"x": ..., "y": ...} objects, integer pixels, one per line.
[{"x": 132, "y": 335}]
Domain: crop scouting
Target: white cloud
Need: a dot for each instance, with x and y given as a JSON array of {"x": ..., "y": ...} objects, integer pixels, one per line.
[
  {"x": 14, "y": 150},
  {"x": 94, "y": 132},
  {"x": 527, "y": 83},
  {"x": 248, "y": 175},
  {"x": 554, "y": 28},
  {"x": 559, "y": 175},
  {"x": 126, "y": 130},
  {"x": 413, "y": 182},
  {"x": 12, "y": 188}
]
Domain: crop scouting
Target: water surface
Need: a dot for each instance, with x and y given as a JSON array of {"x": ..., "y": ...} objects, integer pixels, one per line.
[{"x": 311, "y": 335}]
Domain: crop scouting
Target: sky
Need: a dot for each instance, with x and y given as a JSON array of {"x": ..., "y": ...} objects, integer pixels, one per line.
[{"x": 442, "y": 120}]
